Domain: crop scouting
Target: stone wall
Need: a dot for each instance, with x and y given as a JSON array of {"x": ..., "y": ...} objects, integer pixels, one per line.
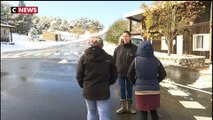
[{"x": 190, "y": 61}]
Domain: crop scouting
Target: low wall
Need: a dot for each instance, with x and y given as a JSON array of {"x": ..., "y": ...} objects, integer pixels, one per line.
[{"x": 190, "y": 61}]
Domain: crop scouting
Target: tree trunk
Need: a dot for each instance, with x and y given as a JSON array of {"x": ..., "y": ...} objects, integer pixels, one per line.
[{"x": 169, "y": 44}]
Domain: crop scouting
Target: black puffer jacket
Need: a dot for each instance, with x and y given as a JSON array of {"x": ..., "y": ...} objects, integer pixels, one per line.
[
  {"x": 95, "y": 73},
  {"x": 124, "y": 54}
]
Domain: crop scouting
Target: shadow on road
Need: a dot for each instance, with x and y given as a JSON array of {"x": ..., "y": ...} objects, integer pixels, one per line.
[{"x": 182, "y": 75}]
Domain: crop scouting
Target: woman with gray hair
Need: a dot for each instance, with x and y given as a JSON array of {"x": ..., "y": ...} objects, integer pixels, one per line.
[{"x": 95, "y": 73}]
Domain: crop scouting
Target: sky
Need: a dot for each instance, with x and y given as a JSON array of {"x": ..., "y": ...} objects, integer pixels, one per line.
[{"x": 107, "y": 12}]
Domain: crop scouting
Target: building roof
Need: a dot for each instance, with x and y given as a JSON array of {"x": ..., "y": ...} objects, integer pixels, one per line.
[
  {"x": 5, "y": 25},
  {"x": 135, "y": 15}
]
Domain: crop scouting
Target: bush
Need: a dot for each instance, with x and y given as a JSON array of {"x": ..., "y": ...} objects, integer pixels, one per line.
[
  {"x": 4, "y": 39},
  {"x": 116, "y": 30}
]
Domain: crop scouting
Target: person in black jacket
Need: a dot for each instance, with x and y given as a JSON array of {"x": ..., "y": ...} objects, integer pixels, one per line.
[
  {"x": 146, "y": 72},
  {"x": 124, "y": 55},
  {"x": 95, "y": 73}
]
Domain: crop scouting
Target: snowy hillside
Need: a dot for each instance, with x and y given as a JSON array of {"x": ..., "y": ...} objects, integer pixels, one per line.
[{"x": 23, "y": 42}]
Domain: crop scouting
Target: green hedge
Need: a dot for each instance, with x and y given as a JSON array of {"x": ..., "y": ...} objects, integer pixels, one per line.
[
  {"x": 116, "y": 30},
  {"x": 4, "y": 39}
]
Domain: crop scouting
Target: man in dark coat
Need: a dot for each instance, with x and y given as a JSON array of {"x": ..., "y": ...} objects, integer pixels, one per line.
[
  {"x": 95, "y": 73},
  {"x": 124, "y": 54}
]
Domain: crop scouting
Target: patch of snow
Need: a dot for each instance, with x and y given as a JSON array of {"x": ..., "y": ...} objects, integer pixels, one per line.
[
  {"x": 173, "y": 88},
  {"x": 88, "y": 34},
  {"x": 208, "y": 71},
  {"x": 109, "y": 47},
  {"x": 23, "y": 42},
  {"x": 204, "y": 81},
  {"x": 62, "y": 61},
  {"x": 167, "y": 83}
]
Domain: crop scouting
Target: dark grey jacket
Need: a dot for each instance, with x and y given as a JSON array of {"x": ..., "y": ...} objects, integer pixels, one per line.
[
  {"x": 124, "y": 54},
  {"x": 95, "y": 73}
]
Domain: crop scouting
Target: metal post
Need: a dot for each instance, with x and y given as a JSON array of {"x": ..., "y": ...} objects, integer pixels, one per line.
[
  {"x": 11, "y": 37},
  {"x": 210, "y": 32},
  {"x": 130, "y": 25}
]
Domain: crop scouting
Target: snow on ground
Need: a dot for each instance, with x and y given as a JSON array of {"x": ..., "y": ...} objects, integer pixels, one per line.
[
  {"x": 22, "y": 43},
  {"x": 205, "y": 78},
  {"x": 204, "y": 81},
  {"x": 109, "y": 47},
  {"x": 173, "y": 88},
  {"x": 208, "y": 71}
]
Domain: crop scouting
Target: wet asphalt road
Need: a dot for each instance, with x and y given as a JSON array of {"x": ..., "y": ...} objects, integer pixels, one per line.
[{"x": 42, "y": 88}]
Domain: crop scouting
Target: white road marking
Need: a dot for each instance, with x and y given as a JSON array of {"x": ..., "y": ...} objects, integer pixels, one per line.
[
  {"x": 178, "y": 93},
  {"x": 174, "y": 89},
  {"x": 19, "y": 54},
  {"x": 165, "y": 83},
  {"x": 192, "y": 104},
  {"x": 37, "y": 54},
  {"x": 46, "y": 54},
  {"x": 6, "y": 56},
  {"x": 16, "y": 56},
  {"x": 66, "y": 53},
  {"x": 193, "y": 88},
  {"x": 63, "y": 61},
  {"x": 202, "y": 118},
  {"x": 9, "y": 54},
  {"x": 27, "y": 54},
  {"x": 57, "y": 54},
  {"x": 75, "y": 53}
]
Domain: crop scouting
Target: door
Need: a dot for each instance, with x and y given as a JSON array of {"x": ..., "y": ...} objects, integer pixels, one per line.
[
  {"x": 56, "y": 37},
  {"x": 179, "y": 45}
]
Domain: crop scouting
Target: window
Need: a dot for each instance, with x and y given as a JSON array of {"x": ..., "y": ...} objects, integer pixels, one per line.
[
  {"x": 5, "y": 32},
  {"x": 201, "y": 42}
]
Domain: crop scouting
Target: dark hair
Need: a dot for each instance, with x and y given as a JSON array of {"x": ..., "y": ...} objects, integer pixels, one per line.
[{"x": 127, "y": 33}]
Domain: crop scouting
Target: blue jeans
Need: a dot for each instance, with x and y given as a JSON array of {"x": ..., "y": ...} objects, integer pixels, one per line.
[
  {"x": 99, "y": 108},
  {"x": 125, "y": 88}
]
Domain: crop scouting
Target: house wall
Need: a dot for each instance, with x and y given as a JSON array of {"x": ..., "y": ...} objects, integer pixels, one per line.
[
  {"x": 68, "y": 37},
  {"x": 157, "y": 45},
  {"x": 200, "y": 26},
  {"x": 5, "y": 32},
  {"x": 206, "y": 15},
  {"x": 200, "y": 30},
  {"x": 49, "y": 36}
]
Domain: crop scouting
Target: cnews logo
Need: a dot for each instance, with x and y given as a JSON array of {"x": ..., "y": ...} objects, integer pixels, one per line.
[{"x": 25, "y": 10}]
